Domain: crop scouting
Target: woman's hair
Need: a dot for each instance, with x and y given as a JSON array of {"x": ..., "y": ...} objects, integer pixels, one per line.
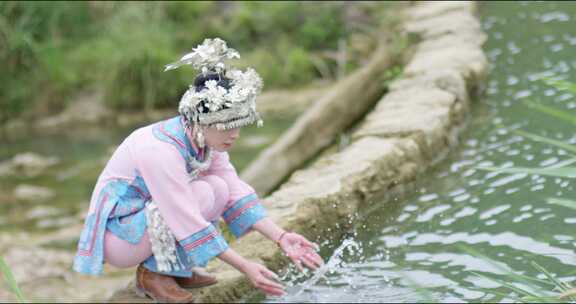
[{"x": 200, "y": 84}]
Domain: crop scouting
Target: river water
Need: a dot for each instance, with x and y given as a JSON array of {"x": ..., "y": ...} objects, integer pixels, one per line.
[
  {"x": 418, "y": 249},
  {"x": 463, "y": 226}
]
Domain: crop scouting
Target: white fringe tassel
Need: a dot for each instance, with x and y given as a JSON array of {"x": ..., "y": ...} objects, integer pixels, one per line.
[{"x": 162, "y": 239}]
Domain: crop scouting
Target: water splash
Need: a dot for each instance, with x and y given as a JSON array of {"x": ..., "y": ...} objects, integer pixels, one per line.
[{"x": 349, "y": 245}]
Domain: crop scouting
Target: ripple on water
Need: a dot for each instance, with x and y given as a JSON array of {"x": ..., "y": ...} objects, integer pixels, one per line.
[
  {"x": 494, "y": 211},
  {"x": 428, "y": 197},
  {"x": 432, "y": 212},
  {"x": 503, "y": 216}
]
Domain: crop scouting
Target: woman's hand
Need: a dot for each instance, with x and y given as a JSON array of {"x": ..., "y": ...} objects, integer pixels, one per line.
[
  {"x": 300, "y": 251},
  {"x": 263, "y": 279}
]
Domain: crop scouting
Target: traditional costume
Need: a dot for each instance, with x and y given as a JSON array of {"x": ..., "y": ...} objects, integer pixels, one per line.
[{"x": 159, "y": 199}]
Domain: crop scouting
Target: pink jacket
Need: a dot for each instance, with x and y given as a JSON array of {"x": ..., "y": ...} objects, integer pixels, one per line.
[{"x": 151, "y": 164}]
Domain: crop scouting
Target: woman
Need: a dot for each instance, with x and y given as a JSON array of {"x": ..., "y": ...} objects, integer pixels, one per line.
[{"x": 159, "y": 199}]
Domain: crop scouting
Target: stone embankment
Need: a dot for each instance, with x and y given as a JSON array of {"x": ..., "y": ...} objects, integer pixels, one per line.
[
  {"x": 411, "y": 127},
  {"x": 348, "y": 101}
]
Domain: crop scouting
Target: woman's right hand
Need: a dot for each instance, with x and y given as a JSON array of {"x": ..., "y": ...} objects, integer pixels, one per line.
[{"x": 263, "y": 279}]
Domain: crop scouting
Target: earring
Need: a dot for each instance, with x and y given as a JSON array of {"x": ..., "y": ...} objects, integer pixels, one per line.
[{"x": 200, "y": 138}]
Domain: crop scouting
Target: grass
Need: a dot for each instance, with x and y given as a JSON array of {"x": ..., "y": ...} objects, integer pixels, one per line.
[
  {"x": 10, "y": 281},
  {"x": 53, "y": 51}
]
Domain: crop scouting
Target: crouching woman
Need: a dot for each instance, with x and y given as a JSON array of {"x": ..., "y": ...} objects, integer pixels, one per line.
[{"x": 158, "y": 201}]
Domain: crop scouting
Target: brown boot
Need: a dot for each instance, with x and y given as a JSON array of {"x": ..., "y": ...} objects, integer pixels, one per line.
[
  {"x": 161, "y": 288},
  {"x": 200, "y": 278}
]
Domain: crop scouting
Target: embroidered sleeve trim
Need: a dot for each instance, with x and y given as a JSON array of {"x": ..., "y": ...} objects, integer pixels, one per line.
[
  {"x": 204, "y": 245},
  {"x": 243, "y": 214}
]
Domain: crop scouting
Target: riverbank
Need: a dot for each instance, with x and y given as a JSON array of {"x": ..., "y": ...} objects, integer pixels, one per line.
[{"x": 411, "y": 128}]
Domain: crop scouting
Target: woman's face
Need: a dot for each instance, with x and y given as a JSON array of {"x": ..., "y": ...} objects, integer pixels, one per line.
[{"x": 221, "y": 141}]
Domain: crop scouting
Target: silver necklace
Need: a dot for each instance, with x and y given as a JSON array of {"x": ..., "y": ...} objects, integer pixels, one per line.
[{"x": 199, "y": 166}]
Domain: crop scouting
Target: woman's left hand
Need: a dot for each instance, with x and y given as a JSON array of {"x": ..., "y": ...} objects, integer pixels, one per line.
[{"x": 300, "y": 251}]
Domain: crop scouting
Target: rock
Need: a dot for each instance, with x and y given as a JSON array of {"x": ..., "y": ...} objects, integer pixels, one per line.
[
  {"x": 33, "y": 193},
  {"x": 42, "y": 211},
  {"x": 31, "y": 164},
  {"x": 6, "y": 168},
  {"x": 88, "y": 107},
  {"x": 448, "y": 80},
  {"x": 33, "y": 263},
  {"x": 476, "y": 40},
  {"x": 324, "y": 120},
  {"x": 457, "y": 22},
  {"x": 56, "y": 222},
  {"x": 469, "y": 60},
  {"x": 419, "y": 112},
  {"x": 45, "y": 275},
  {"x": 435, "y": 8}
]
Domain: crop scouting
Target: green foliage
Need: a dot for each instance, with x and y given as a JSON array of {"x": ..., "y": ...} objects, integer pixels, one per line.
[
  {"x": 391, "y": 74},
  {"x": 10, "y": 281},
  {"x": 50, "y": 51},
  {"x": 31, "y": 38}
]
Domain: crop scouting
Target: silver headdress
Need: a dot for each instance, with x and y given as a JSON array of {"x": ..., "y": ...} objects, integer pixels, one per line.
[{"x": 215, "y": 105}]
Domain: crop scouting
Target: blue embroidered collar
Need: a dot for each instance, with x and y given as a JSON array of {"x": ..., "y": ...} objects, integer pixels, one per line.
[{"x": 173, "y": 132}]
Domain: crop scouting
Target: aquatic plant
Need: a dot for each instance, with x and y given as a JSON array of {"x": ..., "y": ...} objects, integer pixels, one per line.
[
  {"x": 564, "y": 170},
  {"x": 520, "y": 288},
  {"x": 534, "y": 292},
  {"x": 524, "y": 288}
]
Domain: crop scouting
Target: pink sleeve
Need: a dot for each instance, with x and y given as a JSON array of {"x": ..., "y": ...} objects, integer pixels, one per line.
[
  {"x": 222, "y": 167},
  {"x": 164, "y": 172},
  {"x": 243, "y": 208}
]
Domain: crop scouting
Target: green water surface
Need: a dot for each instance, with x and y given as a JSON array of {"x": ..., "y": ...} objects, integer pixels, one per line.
[{"x": 420, "y": 249}]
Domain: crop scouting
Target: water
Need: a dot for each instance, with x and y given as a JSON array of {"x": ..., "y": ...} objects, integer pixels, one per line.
[{"x": 426, "y": 240}]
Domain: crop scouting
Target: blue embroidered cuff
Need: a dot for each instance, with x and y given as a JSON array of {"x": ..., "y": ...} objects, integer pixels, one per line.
[
  {"x": 204, "y": 245},
  {"x": 243, "y": 214}
]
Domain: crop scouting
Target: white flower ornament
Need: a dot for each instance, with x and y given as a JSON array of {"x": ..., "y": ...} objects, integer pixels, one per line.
[{"x": 227, "y": 107}]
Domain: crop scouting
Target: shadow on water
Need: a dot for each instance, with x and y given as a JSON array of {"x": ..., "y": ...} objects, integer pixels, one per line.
[{"x": 457, "y": 209}]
